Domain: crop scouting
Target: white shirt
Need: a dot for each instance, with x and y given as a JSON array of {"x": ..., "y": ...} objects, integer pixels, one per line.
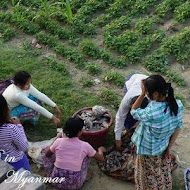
[
  {"x": 16, "y": 96},
  {"x": 133, "y": 86}
]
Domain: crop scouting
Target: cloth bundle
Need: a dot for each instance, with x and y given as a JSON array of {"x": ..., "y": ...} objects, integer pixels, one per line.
[{"x": 121, "y": 164}]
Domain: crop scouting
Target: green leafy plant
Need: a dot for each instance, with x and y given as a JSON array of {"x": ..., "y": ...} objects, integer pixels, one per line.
[
  {"x": 56, "y": 65},
  {"x": 110, "y": 97},
  {"x": 90, "y": 48},
  {"x": 115, "y": 78},
  {"x": 182, "y": 12},
  {"x": 86, "y": 82},
  {"x": 42, "y": 37},
  {"x": 175, "y": 77},
  {"x": 64, "y": 10},
  {"x": 6, "y": 31},
  {"x": 93, "y": 68}
]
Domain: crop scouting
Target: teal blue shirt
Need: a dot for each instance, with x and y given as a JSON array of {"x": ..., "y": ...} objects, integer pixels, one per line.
[{"x": 156, "y": 127}]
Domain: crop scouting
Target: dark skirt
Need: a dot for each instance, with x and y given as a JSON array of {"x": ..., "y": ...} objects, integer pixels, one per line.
[
  {"x": 153, "y": 173},
  {"x": 73, "y": 179}
]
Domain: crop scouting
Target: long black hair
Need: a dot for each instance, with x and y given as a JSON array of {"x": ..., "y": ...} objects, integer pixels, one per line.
[
  {"x": 4, "y": 111},
  {"x": 21, "y": 78},
  {"x": 73, "y": 126},
  {"x": 156, "y": 83}
]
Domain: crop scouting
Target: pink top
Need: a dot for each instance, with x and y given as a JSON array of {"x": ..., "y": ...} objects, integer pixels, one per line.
[{"x": 70, "y": 153}]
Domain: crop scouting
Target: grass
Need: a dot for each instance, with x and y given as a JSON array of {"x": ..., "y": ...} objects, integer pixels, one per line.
[{"x": 59, "y": 87}]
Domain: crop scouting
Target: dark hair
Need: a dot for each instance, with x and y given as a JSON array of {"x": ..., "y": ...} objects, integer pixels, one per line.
[
  {"x": 21, "y": 78},
  {"x": 73, "y": 126},
  {"x": 157, "y": 83},
  {"x": 143, "y": 105},
  {"x": 4, "y": 114}
]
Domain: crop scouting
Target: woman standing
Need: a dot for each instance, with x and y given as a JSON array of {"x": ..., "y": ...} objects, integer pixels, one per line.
[
  {"x": 160, "y": 124},
  {"x": 13, "y": 141},
  {"x": 23, "y": 100}
]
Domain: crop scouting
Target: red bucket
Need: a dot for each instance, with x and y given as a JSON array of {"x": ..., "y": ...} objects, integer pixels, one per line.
[{"x": 95, "y": 138}]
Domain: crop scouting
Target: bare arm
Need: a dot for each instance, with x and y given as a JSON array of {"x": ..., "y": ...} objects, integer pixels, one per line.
[
  {"x": 139, "y": 100},
  {"x": 173, "y": 138},
  {"x": 171, "y": 142},
  {"x": 100, "y": 154}
]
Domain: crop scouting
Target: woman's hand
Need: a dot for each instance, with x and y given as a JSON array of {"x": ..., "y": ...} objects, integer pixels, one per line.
[
  {"x": 56, "y": 121},
  {"x": 118, "y": 144},
  {"x": 101, "y": 149},
  {"x": 15, "y": 120},
  {"x": 58, "y": 112},
  {"x": 59, "y": 135},
  {"x": 143, "y": 87},
  {"x": 167, "y": 153}
]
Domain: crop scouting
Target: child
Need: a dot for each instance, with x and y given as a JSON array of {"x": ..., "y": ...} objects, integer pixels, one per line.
[
  {"x": 13, "y": 141},
  {"x": 69, "y": 157},
  {"x": 23, "y": 98}
]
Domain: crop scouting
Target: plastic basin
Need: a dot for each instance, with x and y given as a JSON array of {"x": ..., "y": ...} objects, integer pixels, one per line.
[{"x": 95, "y": 138}]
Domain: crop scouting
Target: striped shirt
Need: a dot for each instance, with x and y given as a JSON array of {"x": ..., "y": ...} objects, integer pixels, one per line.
[
  {"x": 13, "y": 141},
  {"x": 156, "y": 127}
]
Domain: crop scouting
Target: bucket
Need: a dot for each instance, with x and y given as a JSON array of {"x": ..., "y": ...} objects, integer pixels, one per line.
[{"x": 95, "y": 138}]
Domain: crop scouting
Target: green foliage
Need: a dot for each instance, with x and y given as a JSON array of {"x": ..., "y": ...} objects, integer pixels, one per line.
[
  {"x": 63, "y": 9},
  {"x": 88, "y": 47},
  {"x": 6, "y": 31},
  {"x": 122, "y": 42},
  {"x": 56, "y": 29},
  {"x": 175, "y": 77},
  {"x": 30, "y": 50},
  {"x": 141, "y": 6},
  {"x": 166, "y": 6},
  {"x": 3, "y": 4},
  {"x": 115, "y": 78},
  {"x": 144, "y": 25},
  {"x": 42, "y": 37},
  {"x": 101, "y": 20},
  {"x": 117, "y": 25},
  {"x": 56, "y": 65},
  {"x": 157, "y": 61},
  {"x": 116, "y": 9},
  {"x": 86, "y": 82},
  {"x": 94, "y": 69},
  {"x": 75, "y": 56},
  {"x": 110, "y": 97},
  {"x": 180, "y": 97},
  {"x": 182, "y": 12}
]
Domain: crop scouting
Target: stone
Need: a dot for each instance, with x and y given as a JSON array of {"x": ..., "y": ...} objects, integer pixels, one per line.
[
  {"x": 34, "y": 41},
  {"x": 15, "y": 181},
  {"x": 97, "y": 81},
  {"x": 4, "y": 168},
  {"x": 38, "y": 46}
]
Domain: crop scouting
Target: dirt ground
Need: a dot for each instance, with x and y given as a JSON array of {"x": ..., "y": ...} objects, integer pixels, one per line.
[{"x": 100, "y": 181}]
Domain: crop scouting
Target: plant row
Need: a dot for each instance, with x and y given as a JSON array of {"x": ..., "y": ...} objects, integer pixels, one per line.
[
  {"x": 89, "y": 48},
  {"x": 19, "y": 21},
  {"x": 6, "y": 31},
  {"x": 159, "y": 59},
  {"x": 182, "y": 12}
]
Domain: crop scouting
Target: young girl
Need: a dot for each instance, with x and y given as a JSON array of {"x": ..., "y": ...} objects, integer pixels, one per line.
[
  {"x": 160, "y": 124},
  {"x": 13, "y": 141},
  {"x": 23, "y": 98},
  {"x": 69, "y": 157}
]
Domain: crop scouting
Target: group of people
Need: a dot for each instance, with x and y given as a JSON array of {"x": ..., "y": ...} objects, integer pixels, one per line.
[{"x": 148, "y": 101}]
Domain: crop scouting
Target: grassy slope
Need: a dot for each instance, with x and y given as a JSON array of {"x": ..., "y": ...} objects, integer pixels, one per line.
[{"x": 60, "y": 88}]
